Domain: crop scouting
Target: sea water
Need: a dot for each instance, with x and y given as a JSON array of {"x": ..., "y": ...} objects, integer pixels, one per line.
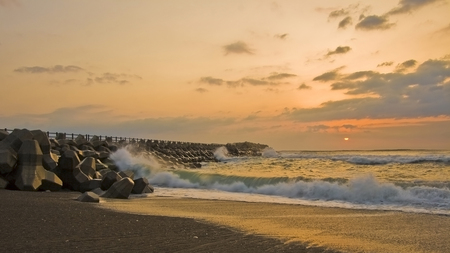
[{"x": 403, "y": 180}]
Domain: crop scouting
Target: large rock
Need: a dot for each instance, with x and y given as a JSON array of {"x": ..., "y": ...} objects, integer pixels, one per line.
[
  {"x": 90, "y": 185},
  {"x": 120, "y": 189},
  {"x": 80, "y": 140},
  {"x": 3, "y": 134},
  {"x": 109, "y": 179},
  {"x": 50, "y": 161},
  {"x": 89, "y": 197},
  {"x": 51, "y": 182},
  {"x": 8, "y": 159},
  {"x": 127, "y": 173},
  {"x": 43, "y": 140},
  {"x": 15, "y": 138},
  {"x": 88, "y": 166},
  {"x": 141, "y": 185},
  {"x": 3, "y": 183},
  {"x": 68, "y": 160},
  {"x": 30, "y": 171}
]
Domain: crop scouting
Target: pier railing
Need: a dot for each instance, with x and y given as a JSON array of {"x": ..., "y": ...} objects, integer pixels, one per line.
[{"x": 88, "y": 137}]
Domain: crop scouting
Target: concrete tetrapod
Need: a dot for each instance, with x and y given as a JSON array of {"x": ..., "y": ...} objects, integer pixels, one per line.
[
  {"x": 120, "y": 189},
  {"x": 89, "y": 197},
  {"x": 141, "y": 185}
]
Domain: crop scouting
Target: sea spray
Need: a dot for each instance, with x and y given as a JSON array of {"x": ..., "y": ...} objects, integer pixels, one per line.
[
  {"x": 270, "y": 153},
  {"x": 221, "y": 154}
]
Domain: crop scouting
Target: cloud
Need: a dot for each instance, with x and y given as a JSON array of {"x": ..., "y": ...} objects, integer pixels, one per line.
[
  {"x": 329, "y": 76},
  {"x": 211, "y": 80},
  {"x": 318, "y": 128},
  {"x": 445, "y": 29},
  {"x": 304, "y": 87},
  {"x": 339, "y": 50},
  {"x": 347, "y": 21},
  {"x": 277, "y": 76},
  {"x": 374, "y": 22},
  {"x": 115, "y": 78},
  {"x": 338, "y": 13},
  {"x": 385, "y": 64},
  {"x": 281, "y": 36},
  {"x": 51, "y": 70},
  {"x": 407, "y": 6},
  {"x": 201, "y": 90},
  {"x": 424, "y": 92},
  {"x": 273, "y": 79},
  {"x": 237, "y": 48},
  {"x": 405, "y": 65}
]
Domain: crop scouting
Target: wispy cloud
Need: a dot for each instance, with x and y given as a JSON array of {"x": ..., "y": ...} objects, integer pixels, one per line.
[
  {"x": 274, "y": 79},
  {"x": 201, "y": 90},
  {"x": 339, "y": 50},
  {"x": 407, "y": 6},
  {"x": 211, "y": 80},
  {"x": 121, "y": 79},
  {"x": 51, "y": 70},
  {"x": 238, "y": 47},
  {"x": 281, "y": 36},
  {"x": 405, "y": 65},
  {"x": 346, "y": 22},
  {"x": 329, "y": 76},
  {"x": 374, "y": 22},
  {"x": 304, "y": 87},
  {"x": 385, "y": 64}
]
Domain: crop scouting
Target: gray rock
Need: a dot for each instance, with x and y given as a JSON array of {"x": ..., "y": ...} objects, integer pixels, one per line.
[
  {"x": 30, "y": 171},
  {"x": 120, "y": 189},
  {"x": 127, "y": 173},
  {"x": 43, "y": 140},
  {"x": 3, "y": 183},
  {"x": 89, "y": 197},
  {"x": 98, "y": 191},
  {"x": 50, "y": 161},
  {"x": 8, "y": 159},
  {"x": 68, "y": 160},
  {"x": 15, "y": 138},
  {"x": 90, "y": 185},
  {"x": 87, "y": 166},
  {"x": 109, "y": 179},
  {"x": 3, "y": 134},
  {"x": 141, "y": 185},
  {"x": 51, "y": 182}
]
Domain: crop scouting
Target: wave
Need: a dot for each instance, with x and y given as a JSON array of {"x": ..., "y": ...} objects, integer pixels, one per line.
[
  {"x": 365, "y": 189},
  {"x": 374, "y": 159}
]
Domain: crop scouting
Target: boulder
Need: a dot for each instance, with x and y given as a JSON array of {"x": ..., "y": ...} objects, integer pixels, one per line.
[
  {"x": 30, "y": 171},
  {"x": 3, "y": 183},
  {"x": 109, "y": 179},
  {"x": 8, "y": 159},
  {"x": 141, "y": 185},
  {"x": 43, "y": 140},
  {"x": 68, "y": 160},
  {"x": 51, "y": 182},
  {"x": 126, "y": 173},
  {"x": 89, "y": 197},
  {"x": 50, "y": 161},
  {"x": 80, "y": 140},
  {"x": 15, "y": 139},
  {"x": 87, "y": 166},
  {"x": 120, "y": 189},
  {"x": 3, "y": 134},
  {"x": 90, "y": 185}
]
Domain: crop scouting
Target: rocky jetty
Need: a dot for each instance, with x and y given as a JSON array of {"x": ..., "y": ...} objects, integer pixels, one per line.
[{"x": 31, "y": 161}]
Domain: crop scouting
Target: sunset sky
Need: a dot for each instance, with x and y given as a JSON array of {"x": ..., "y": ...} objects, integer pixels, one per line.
[{"x": 291, "y": 74}]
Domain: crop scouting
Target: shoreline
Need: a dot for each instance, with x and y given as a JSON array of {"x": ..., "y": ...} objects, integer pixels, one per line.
[
  {"x": 349, "y": 230},
  {"x": 56, "y": 222}
]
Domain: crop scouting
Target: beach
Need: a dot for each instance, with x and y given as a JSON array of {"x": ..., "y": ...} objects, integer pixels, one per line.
[
  {"x": 56, "y": 222},
  {"x": 347, "y": 230}
]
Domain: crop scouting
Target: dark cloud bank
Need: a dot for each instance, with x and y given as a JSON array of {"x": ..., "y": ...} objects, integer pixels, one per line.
[{"x": 423, "y": 91}]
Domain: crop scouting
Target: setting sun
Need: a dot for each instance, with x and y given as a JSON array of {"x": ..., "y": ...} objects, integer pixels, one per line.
[{"x": 346, "y": 139}]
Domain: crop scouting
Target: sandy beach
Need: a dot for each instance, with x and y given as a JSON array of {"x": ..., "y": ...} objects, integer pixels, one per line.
[
  {"x": 333, "y": 228},
  {"x": 56, "y": 222}
]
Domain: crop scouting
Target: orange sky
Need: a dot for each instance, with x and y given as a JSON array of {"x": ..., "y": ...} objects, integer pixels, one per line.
[{"x": 291, "y": 74}]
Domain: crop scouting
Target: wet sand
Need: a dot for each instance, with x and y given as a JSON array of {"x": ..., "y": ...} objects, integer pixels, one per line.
[
  {"x": 334, "y": 228},
  {"x": 56, "y": 222}
]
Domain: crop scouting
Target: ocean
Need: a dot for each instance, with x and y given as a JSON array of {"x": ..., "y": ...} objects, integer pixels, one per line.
[{"x": 402, "y": 180}]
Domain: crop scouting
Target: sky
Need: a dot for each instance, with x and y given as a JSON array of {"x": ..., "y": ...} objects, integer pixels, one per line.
[{"x": 295, "y": 75}]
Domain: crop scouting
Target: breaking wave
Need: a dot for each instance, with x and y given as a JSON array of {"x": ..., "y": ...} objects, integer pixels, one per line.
[{"x": 365, "y": 190}]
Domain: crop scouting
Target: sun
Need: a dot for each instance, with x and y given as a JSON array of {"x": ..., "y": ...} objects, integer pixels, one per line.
[{"x": 346, "y": 139}]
